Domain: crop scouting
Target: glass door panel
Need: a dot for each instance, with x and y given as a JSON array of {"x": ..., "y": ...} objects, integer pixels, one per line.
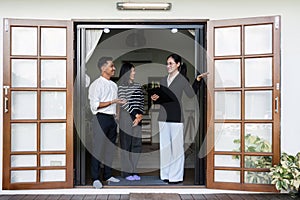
[
  {"x": 24, "y": 40},
  {"x": 38, "y": 83},
  {"x": 53, "y": 137},
  {"x": 23, "y": 161},
  {"x": 53, "y": 175},
  {"x": 244, "y": 106},
  {"x": 227, "y": 176},
  {"x": 226, "y": 135},
  {"x": 23, "y": 137},
  {"x": 228, "y": 41},
  {"x": 23, "y": 105},
  {"x": 53, "y": 160},
  {"x": 258, "y": 39},
  {"x": 53, "y": 73},
  {"x": 228, "y": 73},
  {"x": 258, "y": 137},
  {"x": 53, "y": 105},
  {"x": 227, "y": 105},
  {"x": 258, "y": 105},
  {"x": 227, "y": 161},
  {"x": 258, "y": 72},
  {"x": 24, "y": 73},
  {"x": 23, "y": 176},
  {"x": 53, "y": 41}
]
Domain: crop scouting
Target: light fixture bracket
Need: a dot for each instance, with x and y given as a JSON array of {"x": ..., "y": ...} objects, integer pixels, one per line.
[{"x": 143, "y": 6}]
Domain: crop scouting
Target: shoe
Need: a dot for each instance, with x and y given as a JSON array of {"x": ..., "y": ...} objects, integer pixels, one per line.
[
  {"x": 174, "y": 183},
  {"x": 136, "y": 177},
  {"x": 166, "y": 180},
  {"x": 130, "y": 178},
  {"x": 97, "y": 184},
  {"x": 113, "y": 179}
]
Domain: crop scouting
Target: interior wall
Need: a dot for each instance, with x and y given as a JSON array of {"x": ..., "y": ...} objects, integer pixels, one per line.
[{"x": 188, "y": 9}]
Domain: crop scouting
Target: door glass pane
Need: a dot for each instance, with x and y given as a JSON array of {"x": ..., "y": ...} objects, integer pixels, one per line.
[
  {"x": 227, "y": 161},
  {"x": 53, "y": 41},
  {"x": 53, "y": 105},
  {"x": 227, "y": 105},
  {"x": 22, "y": 176},
  {"x": 53, "y": 175},
  {"x": 53, "y": 136},
  {"x": 24, "y": 41},
  {"x": 53, "y": 160},
  {"x": 23, "y": 73},
  {"x": 228, "y": 73},
  {"x": 23, "y": 160},
  {"x": 23, "y": 137},
  {"x": 258, "y": 161},
  {"x": 257, "y": 177},
  {"x": 227, "y": 137},
  {"x": 258, "y": 104},
  {"x": 53, "y": 73},
  {"x": 23, "y": 105},
  {"x": 228, "y": 41},
  {"x": 258, "y": 39},
  {"x": 258, "y": 72},
  {"x": 258, "y": 137},
  {"x": 227, "y": 176}
]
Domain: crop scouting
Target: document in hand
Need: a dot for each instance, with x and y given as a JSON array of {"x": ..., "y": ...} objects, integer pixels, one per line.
[{"x": 165, "y": 95}]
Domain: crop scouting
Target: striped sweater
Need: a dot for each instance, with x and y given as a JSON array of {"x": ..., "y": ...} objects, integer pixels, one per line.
[{"x": 134, "y": 96}]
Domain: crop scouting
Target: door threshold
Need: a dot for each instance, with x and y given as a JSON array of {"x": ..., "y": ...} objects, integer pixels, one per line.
[{"x": 146, "y": 187}]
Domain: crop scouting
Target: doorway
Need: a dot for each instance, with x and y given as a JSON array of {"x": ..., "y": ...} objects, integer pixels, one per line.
[{"x": 146, "y": 45}]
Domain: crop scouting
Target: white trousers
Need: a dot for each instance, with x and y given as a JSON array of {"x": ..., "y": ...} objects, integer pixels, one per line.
[{"x": 171, "y": 151}]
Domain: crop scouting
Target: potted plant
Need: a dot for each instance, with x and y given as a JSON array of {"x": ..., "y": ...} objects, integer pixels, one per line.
[{"x": 286, "y": 175}]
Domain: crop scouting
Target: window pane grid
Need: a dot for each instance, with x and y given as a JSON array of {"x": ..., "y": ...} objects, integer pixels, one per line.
[{"x": 256, "y": 76}]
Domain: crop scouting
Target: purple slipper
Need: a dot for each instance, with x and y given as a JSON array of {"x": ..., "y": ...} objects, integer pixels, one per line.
[{"x": 130, "y": 178}]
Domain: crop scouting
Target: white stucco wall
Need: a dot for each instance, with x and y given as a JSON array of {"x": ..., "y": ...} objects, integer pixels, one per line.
[{"x": 188, "y": 9}]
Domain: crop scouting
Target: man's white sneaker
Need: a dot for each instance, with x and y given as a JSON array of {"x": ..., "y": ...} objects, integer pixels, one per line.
[
  {"x": 113, "y": 179},
  {"x": 97, "y": 184}
]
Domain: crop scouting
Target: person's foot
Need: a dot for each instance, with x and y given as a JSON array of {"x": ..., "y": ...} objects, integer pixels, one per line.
[
  {"x": 130, "y": 178},
  {"x": 97, "y": 184},
  {"x": 113, "y": 179},
  {"x": 136, "y": 177}
]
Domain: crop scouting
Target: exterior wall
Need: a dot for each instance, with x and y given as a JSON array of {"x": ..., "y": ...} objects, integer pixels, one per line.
[{"x": 188, "y": 9}]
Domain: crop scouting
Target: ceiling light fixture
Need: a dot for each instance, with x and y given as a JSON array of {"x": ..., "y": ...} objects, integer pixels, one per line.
[
  {"x": 143, "y": 6},
  {"x": 106, "y": 30},
  {"x": 174, "y": 30}
]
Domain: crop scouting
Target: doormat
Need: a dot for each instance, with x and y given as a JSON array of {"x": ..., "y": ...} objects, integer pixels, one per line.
[
  {"x": 153, "y": 196},
  {"x": 145, "y": 180}
]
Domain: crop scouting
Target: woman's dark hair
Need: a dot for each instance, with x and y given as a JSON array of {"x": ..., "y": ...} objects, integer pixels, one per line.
[
  {"x": 125, "y": 73},
  {"x": 176, "y": 57},
  {"x": 183, "y": 70}
]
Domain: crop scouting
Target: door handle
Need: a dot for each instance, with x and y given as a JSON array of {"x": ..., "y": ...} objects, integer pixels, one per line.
[
  {"x": 276, "y": 105},
  {"x": 5, "y": 105}
]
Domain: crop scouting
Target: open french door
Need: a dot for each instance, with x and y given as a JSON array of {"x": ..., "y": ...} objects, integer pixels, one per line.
[
  {"x": 38, "y": 101},
  {"x": 243, "y": 102}
]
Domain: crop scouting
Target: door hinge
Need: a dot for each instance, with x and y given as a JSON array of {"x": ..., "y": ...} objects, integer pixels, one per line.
[
  {"x": 277, "y": 86},
  {"x": 6, "y": 88},
  {"x": 6, "y": 25},
  {"x": 277, "y": 22}
]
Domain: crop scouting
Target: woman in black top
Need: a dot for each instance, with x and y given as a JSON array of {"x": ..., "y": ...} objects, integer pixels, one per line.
[
  {"x": 130, "y": 116},
  {"x": 171, "y": 120}
]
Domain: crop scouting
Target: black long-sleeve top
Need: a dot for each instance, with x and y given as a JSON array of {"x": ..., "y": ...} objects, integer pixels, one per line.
[{"x": 171, "y": 111}]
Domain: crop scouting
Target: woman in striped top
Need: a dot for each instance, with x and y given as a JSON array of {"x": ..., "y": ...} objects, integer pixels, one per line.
[{"x": 130, "y": 116}]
